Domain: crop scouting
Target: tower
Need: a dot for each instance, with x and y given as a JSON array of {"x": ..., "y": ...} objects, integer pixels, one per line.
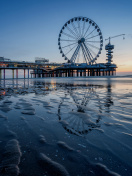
[{"x": 109, "y": 51}]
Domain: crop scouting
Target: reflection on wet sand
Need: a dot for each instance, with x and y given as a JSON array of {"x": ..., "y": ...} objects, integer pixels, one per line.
[
  {"x": 94, "y": 127},
  {"x": 81, "y": 119},
  {"x": 108, "y": 101}
]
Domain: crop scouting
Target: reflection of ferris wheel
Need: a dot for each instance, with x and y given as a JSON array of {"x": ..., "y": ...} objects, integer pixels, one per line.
[
  {"x": 80, "y": 37},
  {"x": 78, "y": 119}
]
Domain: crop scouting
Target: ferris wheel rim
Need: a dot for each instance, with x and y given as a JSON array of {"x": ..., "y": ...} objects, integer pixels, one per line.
[{"x": 76, "y": 37}]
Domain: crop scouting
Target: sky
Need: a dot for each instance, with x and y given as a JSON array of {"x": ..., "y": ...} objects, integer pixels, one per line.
[{"x": 30, "y": 28}]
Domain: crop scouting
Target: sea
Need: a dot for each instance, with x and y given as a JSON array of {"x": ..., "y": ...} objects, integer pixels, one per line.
[{"x": 66, "y": 126}]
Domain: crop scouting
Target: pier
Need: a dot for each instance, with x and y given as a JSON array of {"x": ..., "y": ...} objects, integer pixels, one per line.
[
  {"x": 29, "y": 67},
  {"x": 56, "y": 69},
  {"x": 81, "y": 70}
]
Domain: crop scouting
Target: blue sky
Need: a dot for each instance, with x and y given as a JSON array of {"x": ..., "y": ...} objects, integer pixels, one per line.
[{"x": 30, "y": 28}]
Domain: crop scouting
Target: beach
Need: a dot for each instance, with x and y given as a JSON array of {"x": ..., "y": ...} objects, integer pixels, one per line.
[{"x": 66, "y": 126}]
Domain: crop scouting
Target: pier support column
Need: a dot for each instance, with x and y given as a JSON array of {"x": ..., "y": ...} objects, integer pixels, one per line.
[
  {"x": 69, "y": 73},
  {"x": 4, "y": 73},
  {"x": 24, "y": 73},
  {"x": 80, "y": 73},
  {"x": 17, "y": 73},
  {"x": 77, "y": 73},
  {"x": 66, "y": 73},
  {"x": 72, "y": 73},
  {"x": 59, "y": 73},
  {"x": 99, "y": 72},
  {"x": 0, "y": 74},
  {"x": 28, "y": 73},
  {"x": 90, "y": 72},
  {"x": 84, "y": 73},
  {"x": 56, "y": 74},
  {"x": 13, "y": 73}
]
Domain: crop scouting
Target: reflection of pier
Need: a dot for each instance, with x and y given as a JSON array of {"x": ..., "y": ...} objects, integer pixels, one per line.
[{"x": 108, "y": 100}]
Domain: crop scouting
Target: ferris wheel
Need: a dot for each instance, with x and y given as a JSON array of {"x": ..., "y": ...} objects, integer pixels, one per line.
[{"x": 80, "y": 40}]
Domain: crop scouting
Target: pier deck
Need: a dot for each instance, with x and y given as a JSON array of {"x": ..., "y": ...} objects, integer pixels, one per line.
[{"x": 57, "y": 69}]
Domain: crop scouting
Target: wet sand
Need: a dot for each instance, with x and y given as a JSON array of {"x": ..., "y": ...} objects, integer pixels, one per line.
[{"x": 77, "y": 127}]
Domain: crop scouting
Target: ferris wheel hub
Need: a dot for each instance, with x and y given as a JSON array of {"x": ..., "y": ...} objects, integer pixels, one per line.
[{"x": 82, "y": 40}]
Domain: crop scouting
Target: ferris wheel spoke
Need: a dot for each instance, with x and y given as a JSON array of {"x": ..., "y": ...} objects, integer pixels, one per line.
[
  {"x": 79, "y": 28},
  {"x": 89, "y": 53},
  {"x": 75, "y": 29},
  {"x": 68, "y": 40},
  {"x": 93, "y": 41},
  {"x": 77, "y": 53},
  {"x": 72, "y": 32},
  {"x": 84, "y": 54},
  {"x": 73, "y": 58},
  {"x": 78, "y": 56},
  {"x": 94, "y": 46},
  {"x": 83, "y": 27},
  {"x": 87, "y": 30},
  {"x": 92, "y": 36},
  {"x": 90, "y": 50},
  {"x": 69, "y": 45},
  {"x": 90, "y": 33},
  {"x": 68, "y": 35},
  {"x": 70, "y": 50}
]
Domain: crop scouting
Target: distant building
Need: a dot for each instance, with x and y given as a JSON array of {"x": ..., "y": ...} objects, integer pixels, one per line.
[
  {"x": 40, "y": 60},
  {"x": 2, "y": 59}
]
